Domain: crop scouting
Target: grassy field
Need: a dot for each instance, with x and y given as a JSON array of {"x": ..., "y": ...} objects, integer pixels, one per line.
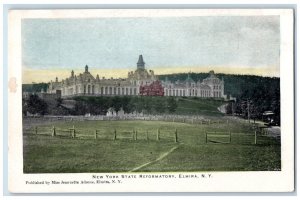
[
  {"x": 198, "y": 106},
  {"x": 46, "y": 154}
]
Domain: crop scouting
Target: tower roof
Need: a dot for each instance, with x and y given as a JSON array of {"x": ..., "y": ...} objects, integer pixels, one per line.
[
  {"x": 189, "y": 79},
  {"x": 212, "y": 74},
  {"x": 141, "y": 63}
]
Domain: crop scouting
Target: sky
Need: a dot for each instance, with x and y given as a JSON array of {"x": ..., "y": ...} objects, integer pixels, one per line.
[{"x": 111, "y": 46}]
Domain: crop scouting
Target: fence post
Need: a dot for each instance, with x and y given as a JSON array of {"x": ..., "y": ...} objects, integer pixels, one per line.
[
  {"x": 147, "y": 137},
  {"x": 206, "y": 137},
  {"x": 227, "y": 121},
  {"x": 209, "y": 122},
  {"x": 35, "y": 129},
  {"x": 53, "y": 132},
  {"x": 115, "y": 134},
  {"x": 135, "y": 134},
  {"x": 96, "y": 134},
  {"x": 73, "y": 132},
  {"x": 229, "y": 137},
  {"x": 255, "y": 138},
  {"x": 157, "y": 136},
  {"x": 176, "y": 139}
]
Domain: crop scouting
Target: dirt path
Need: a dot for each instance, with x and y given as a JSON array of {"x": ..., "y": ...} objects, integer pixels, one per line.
[{"x": 158, "y": 159}]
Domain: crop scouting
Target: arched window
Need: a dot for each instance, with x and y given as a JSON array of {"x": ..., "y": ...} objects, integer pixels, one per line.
[{"x": 89, "y": 89}]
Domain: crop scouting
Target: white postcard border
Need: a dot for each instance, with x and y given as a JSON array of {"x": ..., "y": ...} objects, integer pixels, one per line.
[{"x": 275, "y": 181}]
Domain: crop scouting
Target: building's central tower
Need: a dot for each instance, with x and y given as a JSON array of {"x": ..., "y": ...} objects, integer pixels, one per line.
[{"x": 140, "y": 63}]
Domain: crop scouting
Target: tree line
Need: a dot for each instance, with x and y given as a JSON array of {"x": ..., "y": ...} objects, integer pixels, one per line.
[
  {"x": 100, "y": 105},
  {"x": 145, "y": 104}
]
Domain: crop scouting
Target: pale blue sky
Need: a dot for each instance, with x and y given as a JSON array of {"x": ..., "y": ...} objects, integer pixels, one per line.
[{"x": 182, "y": 41}]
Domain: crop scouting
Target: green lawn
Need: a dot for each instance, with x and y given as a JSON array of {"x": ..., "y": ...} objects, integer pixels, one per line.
[
  {"x": 46, "y": 154},
  {"x": 199, "y": 106}
]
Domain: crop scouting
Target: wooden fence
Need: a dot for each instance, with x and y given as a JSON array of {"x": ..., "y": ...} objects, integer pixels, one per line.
[
  {"x": 239, "y": 138},
  {"x": 208, "y": 137},
  {"x": 114, "y": 134}
]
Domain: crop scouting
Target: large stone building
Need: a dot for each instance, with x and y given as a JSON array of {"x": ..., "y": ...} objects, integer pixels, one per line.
[
  {"x": 209, "y": 87},
  {"x": 86, "y": 84}
]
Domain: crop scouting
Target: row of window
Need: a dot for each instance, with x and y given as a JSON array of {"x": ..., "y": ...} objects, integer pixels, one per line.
[
  {"x": 217, "y": 87},
  {"x": 117, "y": 91},
  {"x": 202, "y": 93},
  {"x": 90, "y": 89},
  {"x": 108, "y": 90}
]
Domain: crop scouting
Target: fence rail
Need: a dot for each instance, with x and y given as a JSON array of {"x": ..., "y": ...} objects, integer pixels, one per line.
[{"x": 175, "y": 135}]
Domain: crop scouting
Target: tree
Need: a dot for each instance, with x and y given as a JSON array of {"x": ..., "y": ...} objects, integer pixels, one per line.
[
  {"x": 59, "y": 101},
  {"x": 117, "y": 103},
  {"x": 24, "y": 107},
  {"x": 36, "y": 105},
  {"x": 171, "y": 104},
  {"x": 80, "y": 108},
  {"x": 159, "y": 104}
]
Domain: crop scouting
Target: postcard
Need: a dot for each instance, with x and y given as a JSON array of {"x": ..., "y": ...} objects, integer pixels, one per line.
[{"x": 151, "y": 100}]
